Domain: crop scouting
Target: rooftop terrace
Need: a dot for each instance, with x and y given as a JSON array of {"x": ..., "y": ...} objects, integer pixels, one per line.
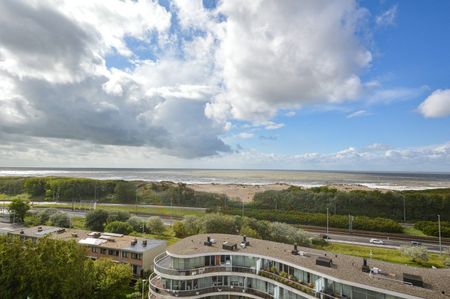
[{"x": 436, "y": 282}]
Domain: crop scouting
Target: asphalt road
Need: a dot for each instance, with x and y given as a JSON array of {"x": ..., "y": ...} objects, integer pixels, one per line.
[{"x": 346, "y": 239}]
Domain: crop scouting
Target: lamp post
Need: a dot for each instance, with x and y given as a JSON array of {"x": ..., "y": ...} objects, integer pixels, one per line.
[
  {"x": 327, "y": 222},
  {"x": 143, "y": 285},
  {"x": 439, "y": 229}
]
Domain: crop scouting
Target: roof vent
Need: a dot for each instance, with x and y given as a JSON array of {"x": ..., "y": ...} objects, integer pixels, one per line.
[
  {"x": 415, "y": 280},
  {"x": 61, "y": 230},
  {"x": 324, "y": 261},
  {"x": 74, "y": 235},
  {"x": 134, "y": 242},
  {"x": 22, "y": 232},
  {"x": 39, "y": 228},
  {"x": 244, "y": 242},
  {"x": 208, "y": 241},
  {"x": 229, "y": 246},
  {"x": 295, "y": 251},
  {"x": 365, "y": 266},
  {"x": 144, "y": 243}
]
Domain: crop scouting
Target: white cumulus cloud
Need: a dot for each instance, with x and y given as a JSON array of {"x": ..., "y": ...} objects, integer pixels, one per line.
[{"x": 437, "y": 104}]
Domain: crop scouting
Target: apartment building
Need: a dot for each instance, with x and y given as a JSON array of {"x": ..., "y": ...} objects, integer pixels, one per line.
[
  {"x": 139, "y": 253},
  {"x": 230, "y": 266}
]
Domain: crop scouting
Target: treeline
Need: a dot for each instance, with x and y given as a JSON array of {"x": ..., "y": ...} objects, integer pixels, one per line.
[
  {"x": 317, "y": 219},
  {"x": 250, "y": 227},
  {"x": 82, "y": 189},
  {"x": 431, "y": 228},
  {"x": 58, "y": 269},
  {"x": 419, "y": 205}
]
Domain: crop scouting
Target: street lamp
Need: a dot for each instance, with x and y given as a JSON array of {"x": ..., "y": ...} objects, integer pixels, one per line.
[
  {"x": 143, "y": 285},
  {"x": 327, "y": 222},
  {"x": 439, "y": 229}
]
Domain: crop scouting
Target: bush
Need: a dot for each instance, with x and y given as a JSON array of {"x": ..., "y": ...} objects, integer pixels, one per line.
[
  {"x": 179, "y": 229},
  {"x": 155, "y": 225},
  {"x": 118, "y": 216},
  {"x": 416, "y": 253},
  {"x": 137, "y": 223},
  {"x": 44, "y": 215},
  {"x": 96, "y": 219},
  {"x": 431, "y": 228},
  {"x": 32, "y": 220},
  {"x": 119, "y": 227},
  {"x": 60, "y": 219}
]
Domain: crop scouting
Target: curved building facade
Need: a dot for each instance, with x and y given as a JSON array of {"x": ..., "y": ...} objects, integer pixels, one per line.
[{"x": 230, "y": 266}]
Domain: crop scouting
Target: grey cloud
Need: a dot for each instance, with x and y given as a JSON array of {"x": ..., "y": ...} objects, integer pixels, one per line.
[{"x": 42, "y": 39}]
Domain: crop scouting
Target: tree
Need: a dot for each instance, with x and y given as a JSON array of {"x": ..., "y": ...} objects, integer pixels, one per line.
[
  {"x": 118, "y": 216},
  {"x": 19, "y": 208},
  {"x": 249, "y": 232},
  {"x": 45, "y": 214},
  {"x": 60, "y": 219},
  {"x": 137, "y": 223},
  {"x": 35, "y": 186},
  {"x": 218, "y": 223},
  {"x": 96, "y": 219},
  {"x": 112, "y": 279},
  {"x": 416, "y": 253},
  {"x": 125, "y": 191},
  {"x": 155, "y": 225},
  {"x": 119, "y": 227},
  {"x": 44, "y": 269},
  {"x": 179, "y": 229},
  {"x": 191, "y": 225}
]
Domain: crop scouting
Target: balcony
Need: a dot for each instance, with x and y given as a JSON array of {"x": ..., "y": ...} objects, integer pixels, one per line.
[
  {"x": 157, "y": 290},
  {"x": 162, "y": 266}
]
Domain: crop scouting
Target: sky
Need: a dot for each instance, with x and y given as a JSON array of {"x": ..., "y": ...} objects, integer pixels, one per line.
[{"x": 261, "y": 84}]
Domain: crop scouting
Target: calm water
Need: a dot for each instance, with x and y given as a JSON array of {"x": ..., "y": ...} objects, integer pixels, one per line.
[{"x": 400, "y": 181}]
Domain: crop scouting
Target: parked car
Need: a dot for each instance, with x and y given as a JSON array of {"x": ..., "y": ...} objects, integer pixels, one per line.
[
  {"x": 376, "y": 241},
  {"x": 416, "y": 243}
]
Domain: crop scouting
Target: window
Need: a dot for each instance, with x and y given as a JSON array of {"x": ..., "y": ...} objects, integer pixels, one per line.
[
  {"x": 94, "y": 249},
  {"x": 124, "y": 254},
  {"x": 136, "y": 256},
  {"x": 113, "y": 252},
  {"x": 102, "y": 250}
]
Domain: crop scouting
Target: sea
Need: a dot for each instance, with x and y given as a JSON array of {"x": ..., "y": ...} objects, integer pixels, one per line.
[{"x": 383, "y": 180}]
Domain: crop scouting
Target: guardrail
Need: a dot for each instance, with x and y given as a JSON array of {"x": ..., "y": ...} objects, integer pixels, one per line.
[
  {"x": 160, "y": 292},
  {"x": 197, "y": 271}
]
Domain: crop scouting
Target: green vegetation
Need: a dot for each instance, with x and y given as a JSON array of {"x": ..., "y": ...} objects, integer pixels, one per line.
[
  {"x": 131, "y": 192},
  {"x": 227, "y": 224},
  {"x": 384, "y": 254},
  {"x": 155, "y": 225},
  {"x": 339, "y": 221},
  {"x": 18, "y": 209},
  {"x": 420, "y": 205},
  {"x": 96, "y": 220},
  {"x": 162, "y": 211},
  {"x": 413, "y": 231},
  {"x": 431, "y": 228},
  {"x": 57, "y": 269},
  {"x": 119, "y": 227}
]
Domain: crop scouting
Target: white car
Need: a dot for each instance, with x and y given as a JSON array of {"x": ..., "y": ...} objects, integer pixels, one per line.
[{"x": 376, "y": 241}]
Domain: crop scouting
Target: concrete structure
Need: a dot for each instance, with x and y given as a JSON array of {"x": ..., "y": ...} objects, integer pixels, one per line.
[
  {"x": 228, "y": 266},
  {"x": 139, "y": 253}
]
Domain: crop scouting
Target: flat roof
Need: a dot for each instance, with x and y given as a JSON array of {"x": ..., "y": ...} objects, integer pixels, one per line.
[
  {"x": 84, "y": 237},
  {"x": 345, "y": 267}
]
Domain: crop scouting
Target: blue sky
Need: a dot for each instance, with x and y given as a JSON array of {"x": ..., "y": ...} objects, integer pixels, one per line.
[{"x": 348, "y": 85}]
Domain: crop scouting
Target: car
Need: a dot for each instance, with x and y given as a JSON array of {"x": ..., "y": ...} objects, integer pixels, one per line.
[
  {"x": 415, "y": 243},
  {"x": 376, "y": 241},
  {"x": 325, "y": 237}
]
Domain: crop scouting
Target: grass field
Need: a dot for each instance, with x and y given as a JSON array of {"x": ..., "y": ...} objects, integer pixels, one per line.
[
  {"x": 413, "y": 232},
  {"x": 384, "y": 254},
  {"x": 159, "y": 211}
]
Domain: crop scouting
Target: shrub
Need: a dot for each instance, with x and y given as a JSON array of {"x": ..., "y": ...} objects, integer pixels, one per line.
[
  {"x": 137, "y": 223},
  {"x": 60, "y": 219},
  {"x": 118, "y": 216},
  {"x": 45, "y": 214},
  {"x": 119, "y": 227},
  {"x": 179, "y": 229},
  {"x": 96, "y": 219},
  {"x": 155, "y": 225}
]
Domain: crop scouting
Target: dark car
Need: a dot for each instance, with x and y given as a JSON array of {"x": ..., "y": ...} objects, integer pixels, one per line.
[{"x": 415, "y": 243}]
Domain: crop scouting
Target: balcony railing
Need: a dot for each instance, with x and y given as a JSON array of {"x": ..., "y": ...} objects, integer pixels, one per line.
[
  {"x": 162, "y": 265},
  {"x": 157, "y": 290}
]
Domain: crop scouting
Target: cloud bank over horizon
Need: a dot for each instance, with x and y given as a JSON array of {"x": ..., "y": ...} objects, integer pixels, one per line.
[{"x": 180, "y": 80}]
